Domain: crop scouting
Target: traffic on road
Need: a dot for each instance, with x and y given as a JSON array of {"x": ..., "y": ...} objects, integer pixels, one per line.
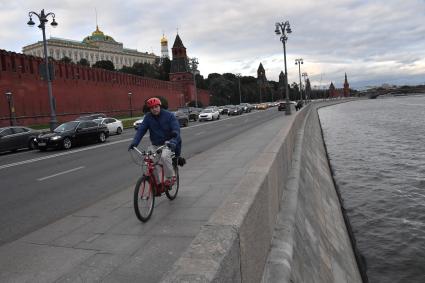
[{"x": 39, "y": 187}]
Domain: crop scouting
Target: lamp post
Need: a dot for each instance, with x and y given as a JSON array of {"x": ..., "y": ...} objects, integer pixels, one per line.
[
  {"x": 131, "y": 105},
  {"x": 12, "y": 117},
  {"x": 282, "y": 29},
  {"x": 305, "y": 85},
  {"x": 42, "y": 17},
  {"x": 238, "y": 75},
  {"x": 195, "y": 63},
  {"x": 298, "y": 62}
]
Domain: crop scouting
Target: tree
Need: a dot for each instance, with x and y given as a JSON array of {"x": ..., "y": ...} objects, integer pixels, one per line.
[
  {"x": 164, "y": 69},
  {"x": 66, "y": 59},
  {"x": 84, "y": 62},
  {"x": 221, "y": 90},
  {"x": 104, "y": 64}
]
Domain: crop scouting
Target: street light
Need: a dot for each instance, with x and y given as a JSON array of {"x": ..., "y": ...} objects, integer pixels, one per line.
[
  {"x": 12, "y": 117},
  {"x": 305, "y": 84},
  {"x": 238, "y": 75},
  {"x": 282, "y": 29},
  {"x": 131, "y": 106},
  {"x": 195, "y": 63},
  {"x": 298, "y": 62},
  {"x": 42, "y": 17}
]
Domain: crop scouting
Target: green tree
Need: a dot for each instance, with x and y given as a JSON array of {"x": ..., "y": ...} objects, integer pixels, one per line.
[
  {"x": 66, "y": 59},
  {"x": 84, "y": 62},
  {"x": 104, "y": 64}
]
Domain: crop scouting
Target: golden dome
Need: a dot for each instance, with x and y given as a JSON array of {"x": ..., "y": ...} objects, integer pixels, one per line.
[
  {"x": 164, "y": 40},
  {"x": 97, "y": 32}
]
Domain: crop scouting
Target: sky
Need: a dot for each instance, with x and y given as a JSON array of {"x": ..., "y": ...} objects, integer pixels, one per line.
[{"x": 375, "y": 42}]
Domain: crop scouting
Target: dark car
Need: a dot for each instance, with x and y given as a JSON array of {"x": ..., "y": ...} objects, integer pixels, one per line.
[
  {"x": 72, "y": 133},
  {"x": 14, "y": 138},
  {"x": 182, "y": 118},
  {"x": 191, "y": 112},
  {"x": 246, "y": 107},
  {"x": 91, "y": 117},
  {"x": 235, "y": 110},
  {"x": 281, "y": 106}
]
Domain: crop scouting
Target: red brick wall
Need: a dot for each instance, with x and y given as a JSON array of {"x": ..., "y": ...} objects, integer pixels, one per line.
[{"x": 78, "y": 90}]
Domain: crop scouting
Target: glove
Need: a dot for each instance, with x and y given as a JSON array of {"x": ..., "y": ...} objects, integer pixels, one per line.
[{"x": 131, "y": 146}]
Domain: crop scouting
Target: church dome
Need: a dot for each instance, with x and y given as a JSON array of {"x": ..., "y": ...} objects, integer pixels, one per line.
[
  {"x": 98, "y": 35},
  {"x": 164, "y": 40}
]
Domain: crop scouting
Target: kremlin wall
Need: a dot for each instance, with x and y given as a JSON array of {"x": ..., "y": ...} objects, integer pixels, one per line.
[{"x": 79, "y": 90}]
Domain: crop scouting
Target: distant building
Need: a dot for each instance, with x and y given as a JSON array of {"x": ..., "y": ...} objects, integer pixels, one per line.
[{"x": 93, "y": 48}]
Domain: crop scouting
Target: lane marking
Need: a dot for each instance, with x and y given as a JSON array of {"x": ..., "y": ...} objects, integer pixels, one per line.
[
  {"x": 112, "y": 143},
  {"x": 200, "y": 133},
  {"x": 61, "y": 154},
  {"x": 60, "y": 173}
]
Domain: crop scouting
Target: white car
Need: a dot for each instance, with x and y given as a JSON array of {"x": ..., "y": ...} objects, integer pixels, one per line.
[
  {"x": 137, "y": 123},
  {"x": 209, "y": 114},
  {"x": 114, "y": 125}
]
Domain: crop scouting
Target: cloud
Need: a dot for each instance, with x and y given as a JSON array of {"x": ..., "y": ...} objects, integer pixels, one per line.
[{"x": 369, "y": 40}]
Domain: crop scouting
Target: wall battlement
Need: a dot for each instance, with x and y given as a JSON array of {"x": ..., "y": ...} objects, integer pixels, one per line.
[{"x": 79, "y": 89}]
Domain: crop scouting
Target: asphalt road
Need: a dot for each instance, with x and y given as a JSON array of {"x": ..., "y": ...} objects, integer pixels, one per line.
[{"x": 37, "y": 188}]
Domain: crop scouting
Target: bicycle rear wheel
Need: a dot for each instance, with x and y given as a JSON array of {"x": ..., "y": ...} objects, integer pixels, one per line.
[
  {"x": 174, "y": 189},
  {"x": 144, "y": 199}
]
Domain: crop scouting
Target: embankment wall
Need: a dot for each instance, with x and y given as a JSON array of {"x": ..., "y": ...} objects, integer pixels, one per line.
[{"x": 281, "y": 223}]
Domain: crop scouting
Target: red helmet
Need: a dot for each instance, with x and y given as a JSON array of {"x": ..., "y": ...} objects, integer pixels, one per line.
[{"x": 152, "y": 102}]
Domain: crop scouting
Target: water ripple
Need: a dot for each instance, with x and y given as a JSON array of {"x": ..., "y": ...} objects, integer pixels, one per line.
[{"x": 377, "y": 156}]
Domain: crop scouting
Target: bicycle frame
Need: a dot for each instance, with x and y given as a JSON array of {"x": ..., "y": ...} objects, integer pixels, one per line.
[{"x": 148, "y": 159}]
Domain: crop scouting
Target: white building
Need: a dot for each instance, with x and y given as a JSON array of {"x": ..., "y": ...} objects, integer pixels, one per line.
[{"x": 93, "y": 48}]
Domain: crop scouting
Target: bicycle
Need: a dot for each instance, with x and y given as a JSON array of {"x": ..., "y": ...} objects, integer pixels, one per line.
[{"x": 148, "y": 186}]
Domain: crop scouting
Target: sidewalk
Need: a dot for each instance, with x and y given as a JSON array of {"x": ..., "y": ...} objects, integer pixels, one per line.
[{"x": 105, "y": 242}]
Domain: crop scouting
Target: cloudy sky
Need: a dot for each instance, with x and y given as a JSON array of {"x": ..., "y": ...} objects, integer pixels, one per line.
[{"x": 374, "y": 42}]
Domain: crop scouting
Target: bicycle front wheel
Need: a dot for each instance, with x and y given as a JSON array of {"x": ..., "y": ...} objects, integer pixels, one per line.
[
  {"x": 172, "y": 191},
  {"x": 144, "y": 199}
]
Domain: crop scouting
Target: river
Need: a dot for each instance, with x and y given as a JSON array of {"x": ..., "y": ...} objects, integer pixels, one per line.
[{"x": 377, "y": 152}]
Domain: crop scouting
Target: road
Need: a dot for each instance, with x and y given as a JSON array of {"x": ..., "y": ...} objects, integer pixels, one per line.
[{"x": 38, "y": 188}]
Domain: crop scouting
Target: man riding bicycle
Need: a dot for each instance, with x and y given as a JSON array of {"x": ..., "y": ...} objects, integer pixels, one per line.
[{"x": 163, "y": 127}]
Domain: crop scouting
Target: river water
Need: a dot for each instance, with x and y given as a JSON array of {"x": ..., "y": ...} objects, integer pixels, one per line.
[{"x": 377, "y": 151}]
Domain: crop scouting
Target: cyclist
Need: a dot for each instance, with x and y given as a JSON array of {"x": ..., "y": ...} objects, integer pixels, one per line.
[{"x": 163, "y": 127}]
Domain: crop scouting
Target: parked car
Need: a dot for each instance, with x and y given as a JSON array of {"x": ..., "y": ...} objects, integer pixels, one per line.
[
  {"x": 282, "y": 105},
  {"x": 14, "y": 138},
  {"x": 209, "y": 114},
  {"x": 137, "y": 123},
  {"x": 235, "y": 110},
  {"x": 72, "y": 133},
  {"x": 191, "y": 112},
  {"x": 262, "y": 106},
  {"x": 91, "y": 117},
  {"x": 114, "y": 125},
  {"x": 182, "y": 118},
  {"x": 246, "y": 107}
]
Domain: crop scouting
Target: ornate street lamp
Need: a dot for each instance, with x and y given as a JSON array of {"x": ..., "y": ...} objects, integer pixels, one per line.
[
  {"x": 42, "y": 17},
  {"x": 305, "y": 86},
  {"x": 282, "y": 29},
  {"x": 12, "y": 117},
  {"x": 195, "y": 63},
  {"x": 238, "y": 75},
  {"x": 298, "y": 62},
  {"x": 131, "y": 105}
]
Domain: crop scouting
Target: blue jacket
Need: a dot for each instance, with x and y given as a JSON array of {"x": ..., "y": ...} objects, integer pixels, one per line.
[{"x": 163, "y": 127}]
